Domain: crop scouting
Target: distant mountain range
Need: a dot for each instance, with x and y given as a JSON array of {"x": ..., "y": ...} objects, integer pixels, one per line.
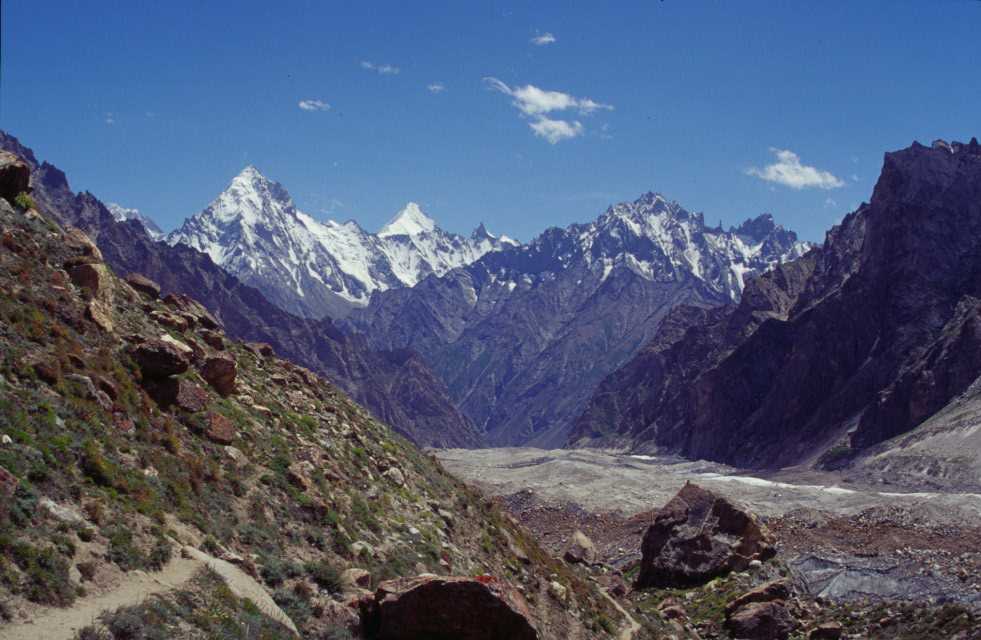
[
  {"x": 522, "y": 335},
  {"x": 254, "y": 231}
]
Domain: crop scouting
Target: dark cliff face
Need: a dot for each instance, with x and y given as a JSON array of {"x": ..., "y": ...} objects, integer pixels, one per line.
[
  {"x": 425, "y": 415},
  {"x": 856, "y": 342}
]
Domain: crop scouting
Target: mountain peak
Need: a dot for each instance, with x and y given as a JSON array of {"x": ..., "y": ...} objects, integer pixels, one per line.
[
  {"x": 410, "y": 221},
  {"x": 757, "y": 228}
]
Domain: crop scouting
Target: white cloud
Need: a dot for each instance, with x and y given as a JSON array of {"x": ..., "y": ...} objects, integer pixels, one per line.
[
  {"x": 380, "y": 69},
  {"x": 555, "y": 131},
  {"x": 544, "y": 39},
  {"x": 110, "y": 118},
  {"x": 313, "y": 105},
  {"x": 830, "y": 203},
  {"x": 789, "y": 171},
  {"x": 536, "y": 103},
  {"x": 436, "y": 87}
]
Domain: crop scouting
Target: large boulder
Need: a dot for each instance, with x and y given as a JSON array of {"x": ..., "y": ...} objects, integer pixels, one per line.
[
  {"x": 160, "y": 358},
  {"x": 698, "y": 536},
  {"x": 144, "y": 285},
  {"x": 220, "y": 429},
  {"x": 220, "y": 373},
  {"x": 15, "y": 176},
  {"x": 580, "y": 549},
  {"x": 461, "y": 608},
  {"x": 761, "y": 621}
]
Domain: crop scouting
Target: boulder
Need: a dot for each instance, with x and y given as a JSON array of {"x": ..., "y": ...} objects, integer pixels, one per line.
[
  {"x": 826, "y": 631},
  {"x": 463, "y": 608},
  {"x": 190, "y": 397},
  {"x": 767, "y": 592},
  {"x": 100, "y": 314},
  {"x": 188, "y": 305},
  {"x": 761, "y": 621},
  {"x": 15, "y": 176},
  {"x": 94, "y": 278},
  {"x": 213, "y": 339},
  {"x": 220, "y": 429},
  {"x": 580, "y": 549},
  {"x": 355, "y": 578},
  {"x": 144, "y": 285},
  {"x": 170, "y": 320},
  {"x": 220, "y": 373},
  {"x": 395, "y": 475},
  {"x": 160, "y": 358},
  {"x": 698, "y": 536},
  {"x": 76, "y": 240}
]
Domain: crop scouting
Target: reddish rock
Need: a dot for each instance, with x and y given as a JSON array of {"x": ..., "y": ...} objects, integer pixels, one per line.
[
  {"x": 462, "y": 608},
  {"x": 761, "y": 621},
  {"x": 15, "y": 176},
  {"x": 48, "y": 371},
  {"x": 159, "y": 359},
  {"x": 188, "y": 305},
  {"x": 169, "y": 320},
  {"x": 260, "y": 349},
  {"x": 826, "y": 631},
  {"x": 92, "y": 277},
  {"x": 698, "y": 536},
  {"x": 212, "y": 338},
  {"x": 190, "y": 397},
  {"x": 144, "y": 285},
  {"x": 767, "y": 592},
  {"x": 220, "y": 429},
  {"x": 220, "y": 373}
]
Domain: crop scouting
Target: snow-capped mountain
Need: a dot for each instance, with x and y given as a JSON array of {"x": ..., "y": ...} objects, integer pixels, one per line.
[
  {"x": 254, "y": 230},
  {"x": 521, "y": 337},
  {"x": 122, "y": 214}
]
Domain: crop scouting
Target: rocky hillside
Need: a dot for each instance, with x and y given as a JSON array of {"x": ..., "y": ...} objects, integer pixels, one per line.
[
  {"x": 133, "y": 426},
  {"x": 522, "y": 336},
  {"x": 255, "y": 232},
  {"x": 396, "y": 386},
  {"x": 855, "y": 343}
]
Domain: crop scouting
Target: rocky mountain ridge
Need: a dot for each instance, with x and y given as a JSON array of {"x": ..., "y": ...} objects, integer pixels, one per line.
[
  {"x": 522, "y": 335},
  {"x": 396, "y": 386},
  {"x": 254, "y": 231},
  {"x": 856, "y": 342}
]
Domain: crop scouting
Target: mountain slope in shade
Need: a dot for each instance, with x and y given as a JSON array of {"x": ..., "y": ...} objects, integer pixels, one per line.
[
  {"x": 522, "y": 335},
  {"x": 857, "y": 342},
  {"x": 121, "y": 214},
  {"x": 397, "y": 387},
  {"x": 254, "y": 230}
]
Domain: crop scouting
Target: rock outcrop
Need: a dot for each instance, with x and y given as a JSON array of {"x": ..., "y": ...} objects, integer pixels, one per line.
[
  {"x": 15, "y": 176},
  {"x": 698, "y": 536},
  {"x": 430, "y": 606},
  {"x": 860, "y": 340}
]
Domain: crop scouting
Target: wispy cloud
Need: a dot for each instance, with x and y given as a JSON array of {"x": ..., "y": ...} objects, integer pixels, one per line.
[
  {"x": 110, "y": 118},
  {"x": 536, "y": 103},
  {"x": 313, "y": 105},
  {"x": 555, "y": 131},
  {"x": 789, "y": 172},
  {"x": 543, "y": 40},
  {"x": 380, "y": 69},
  {"x": 436, "y": 87}
]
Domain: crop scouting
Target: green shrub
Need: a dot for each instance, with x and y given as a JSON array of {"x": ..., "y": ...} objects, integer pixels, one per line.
[
  {"x": 46, "y": 573},
  {"x": 325, "y": 575},
  {"x": 24, "y": 201}
]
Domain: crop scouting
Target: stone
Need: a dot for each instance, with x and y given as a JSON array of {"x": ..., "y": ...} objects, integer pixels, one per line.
[
  {"x": 144, "y": 285},
  {"x": 260, "y": 349},
  {"x": 826, "y": 631},
  {"x": 298, "y": 475},
  {"x": 15, "y": 176},
  {"x": 190, "y": 397},
  {"x": 61, "y": 513},
  {"x": 356, "y": 578},
  {"x": 557, "y": 590},
  {"x": 463, "y": 608},
  {"x": 580, "y": 549},
  {"x": 94, "y": 278},
  {"x": 78, "y": 241},
  {"x": 360, "y": 547},
  {"x": 188, "y": 305},
  {"x": 169, "y": 320},
  {"x": 213, "y": 339},
  {"x": 48, "y": 371},
  {"x": 160, "y": 358},
  {"x": 761, "y": 621},
  {"x": 220, "y": 429},
  {"x": 767, "y": 592},
  {"x": 395, "y": 475},
  {"x": 100, "y": 314},
  {"x": 91, "y": 392},
  {"x": 698, "y": 536},
  {"x": 220, "y": 373}
]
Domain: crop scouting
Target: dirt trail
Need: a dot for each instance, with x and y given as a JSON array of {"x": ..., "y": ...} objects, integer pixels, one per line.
[
  {"x": 63, "y": 624},
  {"x": 628, "y": 631}
]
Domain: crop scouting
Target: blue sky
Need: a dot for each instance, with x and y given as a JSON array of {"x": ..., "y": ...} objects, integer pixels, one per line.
[{"x": 158, "y": 105}]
